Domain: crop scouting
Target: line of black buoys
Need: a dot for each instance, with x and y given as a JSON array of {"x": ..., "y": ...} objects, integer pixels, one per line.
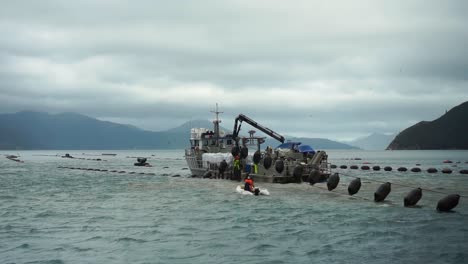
[
  {"x": 464, "y": 171},
  {"x": 354, "y": 167},
  {"x": 446, "y": 170},
  {"x": 354, "y": 186},
  {"x": 448, "y": 202},
  {"x": 416, "y": 169},
  {"x": 333, "y": 181},
  {"x": 365, "y": 167},
  {"x": 432, "y": 170},
  {"x": 412, "y": 198},
  {"x": 402, "y": 169},
  {"x": 333, "y": 166},
  {"x": 388, "y": 168},
  {"x": 343, "y": 167},
  {"x": 376, "y": 168},
  {"x": 382, "y": 192}
]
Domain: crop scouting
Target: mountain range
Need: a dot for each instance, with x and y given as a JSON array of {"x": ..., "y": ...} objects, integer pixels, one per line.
[
  {"x": 450, "y": 131},
  {"x": 38, "y": 130}
]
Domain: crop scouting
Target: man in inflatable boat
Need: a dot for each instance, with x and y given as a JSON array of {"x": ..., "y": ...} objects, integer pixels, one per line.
[{"x": 249, "y": 185}]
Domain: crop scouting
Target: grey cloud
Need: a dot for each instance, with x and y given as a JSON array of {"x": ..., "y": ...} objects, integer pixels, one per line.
[{"x": 330, "y": 69}]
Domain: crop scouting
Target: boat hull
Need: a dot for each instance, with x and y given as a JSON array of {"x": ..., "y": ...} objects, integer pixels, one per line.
[{"x": 200, "y": 170}]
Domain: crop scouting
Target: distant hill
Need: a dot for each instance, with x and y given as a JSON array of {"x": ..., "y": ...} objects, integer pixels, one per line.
[
  {"x": 374, "y": 141},
  {"x": 450, "y": 131},
  {"x": 37, "y": 130}
]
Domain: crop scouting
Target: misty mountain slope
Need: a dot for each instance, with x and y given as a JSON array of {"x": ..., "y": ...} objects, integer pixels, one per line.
[
  {"x": 36, "y": 130},
  {"x": 450, "y": 131},
  {"x": 374, "y": 141}
]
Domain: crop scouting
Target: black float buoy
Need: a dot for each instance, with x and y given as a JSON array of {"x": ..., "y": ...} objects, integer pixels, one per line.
[
  {"x": 382, "y": 192},
  {"x": 257, "y": 157},
  {"x": 333, "y": 166},
  {"x": 235, "y": 151},
  {"x": 402, "y": 169},
  {"x": 333, "y": 181},
  {"x": 297, "y": 172},
  {"x": 279, "y": 166},
  {"x": 416, "y": 169},
  {"x": 267, "y": 161},
  {"x": 464, "y": 172},
  {"x": 354, "y": 167},
  {"x": 412, "y": 197},
  {"x": 448, "y": 202},
  {"x": 314, "y": 176},
  {"x": 354, "y": 186},
  {"x": 244, "y": 152},
  {"x": 376, "y": 168},
  {"x": 432, "y": 170},
  {"x": 388, "y": 168},
  {"x": 446, "y": 171},
  {"x": 343, "y": 167},
  {"x": 365, "y": 167}
]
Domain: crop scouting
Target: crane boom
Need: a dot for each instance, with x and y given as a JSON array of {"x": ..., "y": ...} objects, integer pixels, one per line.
[{"x": 243, "y": 118}]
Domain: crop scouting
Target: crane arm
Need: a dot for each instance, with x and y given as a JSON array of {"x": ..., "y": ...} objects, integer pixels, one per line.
[{"x": 243, "y": 118}]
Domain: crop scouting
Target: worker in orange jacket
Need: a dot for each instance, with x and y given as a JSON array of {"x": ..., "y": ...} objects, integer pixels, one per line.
[{"x": 249, "y": 184}]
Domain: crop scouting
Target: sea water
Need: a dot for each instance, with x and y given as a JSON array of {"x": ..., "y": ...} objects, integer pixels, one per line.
[{"x": 55, "y": 215}]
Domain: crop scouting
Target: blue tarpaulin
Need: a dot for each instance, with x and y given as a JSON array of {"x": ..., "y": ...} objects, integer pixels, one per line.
[
  {"x": 306, "y": 149},
  {"x": 297, "y": 146}
]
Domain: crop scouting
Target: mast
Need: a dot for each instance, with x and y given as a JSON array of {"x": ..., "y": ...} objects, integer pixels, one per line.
[{"x": 216, "y": 123}]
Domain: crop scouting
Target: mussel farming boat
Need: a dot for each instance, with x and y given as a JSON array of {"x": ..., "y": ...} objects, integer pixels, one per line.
[{"x": 217, "y": 154}]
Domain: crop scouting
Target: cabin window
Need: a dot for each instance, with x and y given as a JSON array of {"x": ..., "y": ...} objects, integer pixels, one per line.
[
  {"x": 205, "y": 142},
  {"x": 213, "y": 142},
  {"x": 229, "y": 142}
]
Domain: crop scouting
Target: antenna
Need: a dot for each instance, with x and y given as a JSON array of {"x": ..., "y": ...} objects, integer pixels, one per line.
[{"x": 216, "y": 123}]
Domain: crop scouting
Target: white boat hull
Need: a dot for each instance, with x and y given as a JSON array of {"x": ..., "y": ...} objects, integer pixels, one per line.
[{"x": 241, "y": 190}]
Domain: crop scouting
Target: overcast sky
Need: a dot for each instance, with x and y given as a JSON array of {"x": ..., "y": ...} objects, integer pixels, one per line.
[{"x": 331, "y": 69}]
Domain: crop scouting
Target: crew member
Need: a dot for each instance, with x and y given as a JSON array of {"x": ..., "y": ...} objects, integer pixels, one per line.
[
  {"x": 237, "y": 168},
  {"x": 249, "y": 184}
]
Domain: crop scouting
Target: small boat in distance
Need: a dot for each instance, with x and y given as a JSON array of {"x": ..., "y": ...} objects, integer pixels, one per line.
[
  {"x": 108, "y": 154},
  {"x": 217, "y": 154}
]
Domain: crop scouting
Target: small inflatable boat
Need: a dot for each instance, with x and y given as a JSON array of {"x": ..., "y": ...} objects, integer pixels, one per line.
[{"x": 257, "y": 191}]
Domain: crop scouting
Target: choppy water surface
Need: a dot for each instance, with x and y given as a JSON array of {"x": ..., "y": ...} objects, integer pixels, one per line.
[{"x": 54, "y": 215}]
